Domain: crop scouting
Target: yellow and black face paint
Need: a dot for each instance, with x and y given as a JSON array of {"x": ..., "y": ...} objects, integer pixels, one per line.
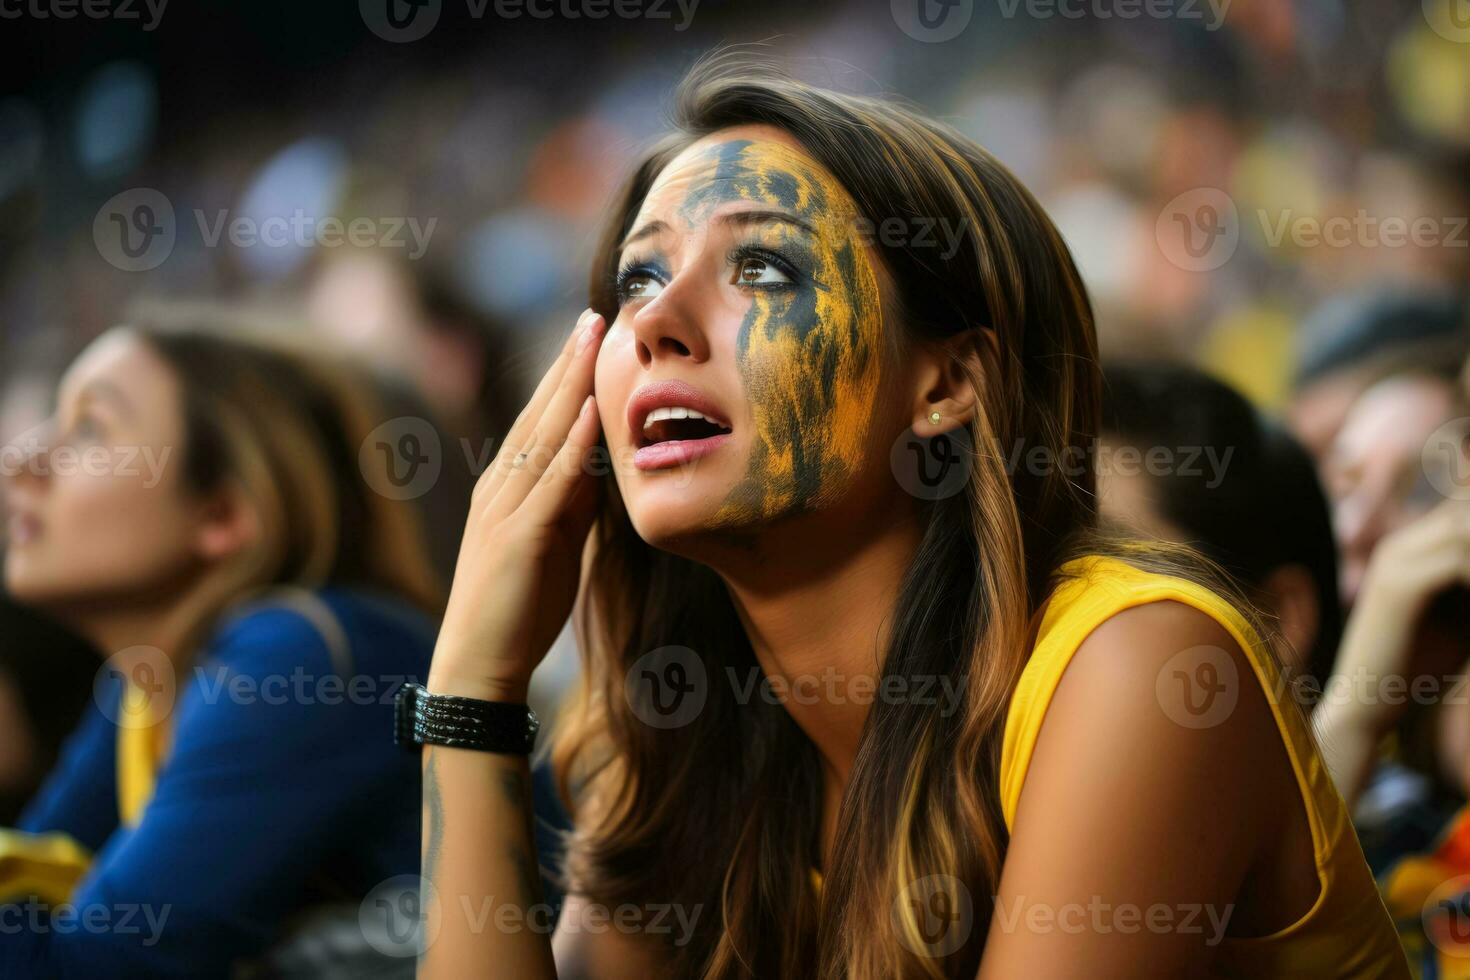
[{"x": 809, "y": 349}]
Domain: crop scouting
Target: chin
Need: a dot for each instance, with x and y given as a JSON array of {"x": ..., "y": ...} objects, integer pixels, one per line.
[
  {"x": 30, "y": 589},
  {"x": 673, "y": 509},
  {"x": 677, "y": 528}
]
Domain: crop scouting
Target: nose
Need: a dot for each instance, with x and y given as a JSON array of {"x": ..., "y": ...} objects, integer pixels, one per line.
[
  {"x": 670, "y": 327},
  {"x": 24, "y": 458}
]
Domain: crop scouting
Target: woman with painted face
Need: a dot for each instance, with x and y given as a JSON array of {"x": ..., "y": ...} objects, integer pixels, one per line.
[
  {"x": 199, "y": 513},
  {"x": 865, "y": 693}
]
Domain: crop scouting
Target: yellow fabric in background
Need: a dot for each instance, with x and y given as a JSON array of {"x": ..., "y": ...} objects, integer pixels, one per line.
[
  {"x": 46, "y": 865},
  {"x": 51, "y": 865},
  {"x": 140, "y": 748}
]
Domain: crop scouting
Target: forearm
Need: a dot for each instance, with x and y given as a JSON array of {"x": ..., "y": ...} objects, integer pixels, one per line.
[
  {"x": 1356, "y": 709},
  {"x": 479, "y": 858},
  {"x": 1349, "y": 746}
]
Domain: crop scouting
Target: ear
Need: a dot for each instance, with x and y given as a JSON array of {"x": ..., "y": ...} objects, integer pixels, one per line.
[
  {"x": 1292, "y": 596},
  {"x": 942, "y": 385},
  {"x": 228, "y": 524}
]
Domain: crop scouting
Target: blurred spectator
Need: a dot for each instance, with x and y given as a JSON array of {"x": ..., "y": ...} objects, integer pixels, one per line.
[
  {"x": 1351, "y": 341},
  {"x": 1233, "y": 485},
  {"x": 415, "y": 328},
  {"x": 46, "y": 671},
  {"x": 1374, "y": 470},
  {"x": 1396, "y": 745},
  {"x": 260, "y": 604}
]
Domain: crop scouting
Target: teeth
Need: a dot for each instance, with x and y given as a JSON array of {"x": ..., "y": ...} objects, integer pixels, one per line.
[{"x": 675, "y": 412}]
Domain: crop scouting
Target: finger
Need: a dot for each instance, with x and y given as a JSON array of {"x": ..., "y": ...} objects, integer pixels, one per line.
[
  {"x": 523, "y": 432},
  {"x": 526, "y": 421},
  {"x": 523, "y": 470},
  {"x": 536, "y": 404},
  {"x": 549, "y": 500}
]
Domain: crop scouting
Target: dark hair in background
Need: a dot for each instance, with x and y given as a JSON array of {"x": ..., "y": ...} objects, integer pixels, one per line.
[
  {"x": 281, "y": 424},
  {"x": 1382, "y": 331},
  {"x": 1269, "y": 509},
  {"x": 50, "y": 671}
]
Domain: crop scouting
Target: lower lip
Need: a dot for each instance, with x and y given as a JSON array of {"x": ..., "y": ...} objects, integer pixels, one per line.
[{"x": 676, "y": 452}]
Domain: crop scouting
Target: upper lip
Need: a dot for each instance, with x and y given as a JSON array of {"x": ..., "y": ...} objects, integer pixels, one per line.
[{"x": 666, "y": 394}]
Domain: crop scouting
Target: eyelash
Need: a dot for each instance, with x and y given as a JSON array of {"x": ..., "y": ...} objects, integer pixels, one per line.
[
  {"x": 628, "y": 273},
  {"x": 738, "y": 254}
]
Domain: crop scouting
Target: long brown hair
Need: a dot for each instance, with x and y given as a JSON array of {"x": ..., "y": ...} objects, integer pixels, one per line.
[
  {"x": 282, "y": 426},
  {"x": 723, "y": 816}
]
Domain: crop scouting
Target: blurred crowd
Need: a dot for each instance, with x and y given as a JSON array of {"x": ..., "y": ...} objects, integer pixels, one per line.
[{"x": 1269, "y": 206}]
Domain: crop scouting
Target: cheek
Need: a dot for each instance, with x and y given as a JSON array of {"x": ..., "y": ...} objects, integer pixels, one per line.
[
  {"x": 113, "y": 531},
  {"x": 811, "y": 364},
  {"x": 813, "y": 361}
]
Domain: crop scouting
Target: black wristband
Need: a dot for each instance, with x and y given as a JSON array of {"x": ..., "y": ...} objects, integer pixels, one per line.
[{"x": 422, "y": 718}]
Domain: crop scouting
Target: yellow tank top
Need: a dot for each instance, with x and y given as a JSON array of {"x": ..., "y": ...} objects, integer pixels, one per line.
[{"x": 1347, "y": 933}]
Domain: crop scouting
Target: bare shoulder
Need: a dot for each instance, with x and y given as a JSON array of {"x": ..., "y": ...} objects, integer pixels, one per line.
[
  {"x": 1143, "y": 791},
  {"x": 590, "y": 945},
  {"x": 1177, "y": 669}
]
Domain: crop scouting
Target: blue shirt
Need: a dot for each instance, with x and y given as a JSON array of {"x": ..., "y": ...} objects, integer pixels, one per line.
[{"x": 282, "y": 787}]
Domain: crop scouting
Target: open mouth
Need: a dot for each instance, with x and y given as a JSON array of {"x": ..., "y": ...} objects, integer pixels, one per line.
[
  {"x": 674, "y": 423},
  {"x": 676, "y": 435},
  {"x": 679, "y": 424}
]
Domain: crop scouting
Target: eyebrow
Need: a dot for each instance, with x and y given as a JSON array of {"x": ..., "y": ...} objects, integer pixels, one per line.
[{"x": 658, "y": 227}]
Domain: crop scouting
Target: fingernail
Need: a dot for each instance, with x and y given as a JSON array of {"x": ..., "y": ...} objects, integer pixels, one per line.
[{"x": 586, "y": 404}]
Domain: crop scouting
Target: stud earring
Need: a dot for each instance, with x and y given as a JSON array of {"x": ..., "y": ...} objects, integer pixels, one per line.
[{"x": 934, "y": 418}]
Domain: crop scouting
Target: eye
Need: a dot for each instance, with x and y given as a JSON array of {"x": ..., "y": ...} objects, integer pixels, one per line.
[
  {"x": 760, "y": 269},
  {"x": 638, "y": 282},
  {"x": 752, "y": 272},
  {"x": 84, "y": 429}
]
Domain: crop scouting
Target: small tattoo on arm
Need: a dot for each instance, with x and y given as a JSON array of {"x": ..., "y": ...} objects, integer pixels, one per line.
[{"x": 434, "y": 814}]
